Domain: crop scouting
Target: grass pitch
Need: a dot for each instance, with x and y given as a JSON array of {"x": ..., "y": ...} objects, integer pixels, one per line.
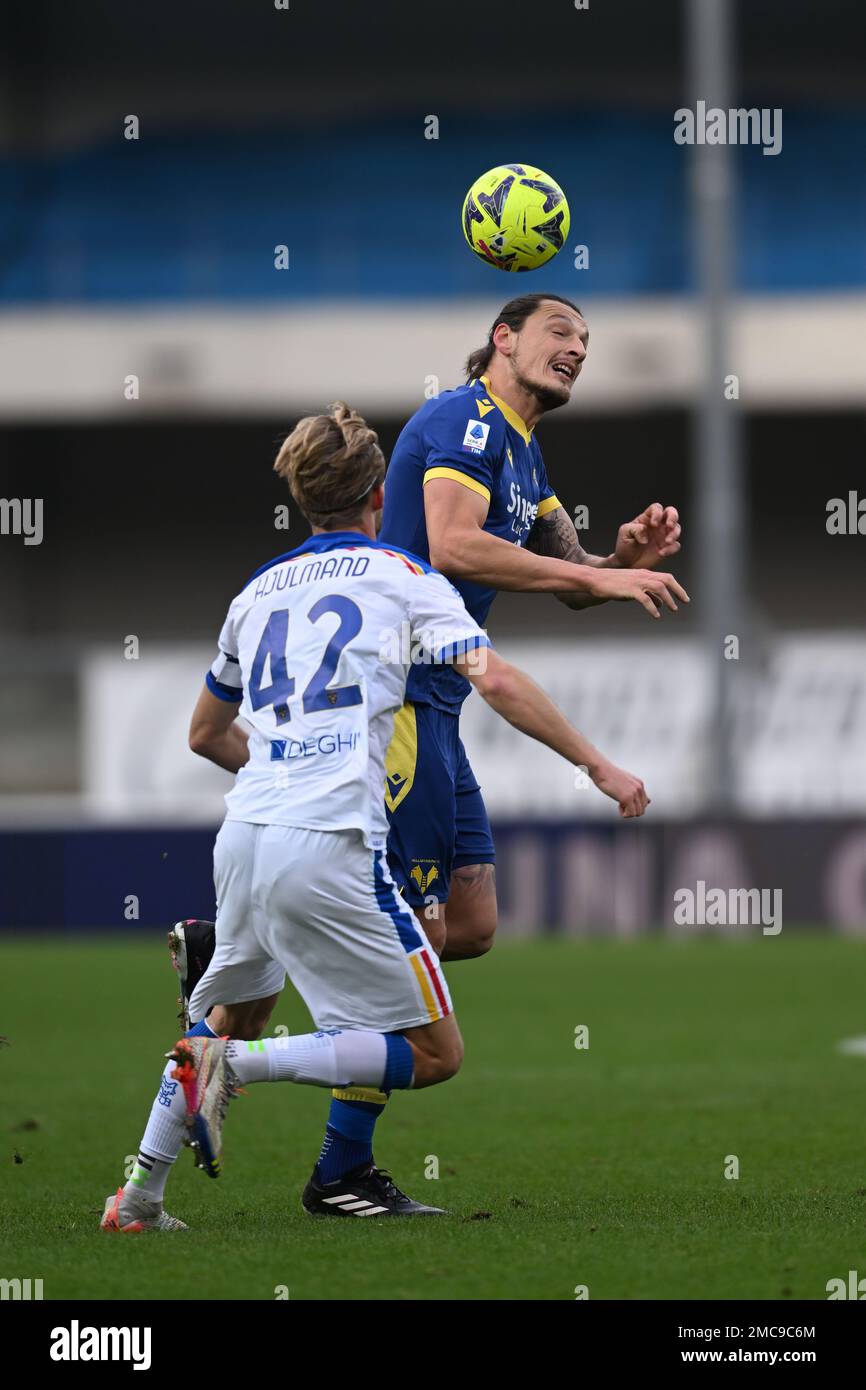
[{"x": 559, "y": 1166}]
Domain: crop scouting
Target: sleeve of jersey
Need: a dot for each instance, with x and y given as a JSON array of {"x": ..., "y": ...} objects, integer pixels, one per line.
[
  {"x": 439, "y": 619},
  {"x": 459, "y": 446},
  {"x": 224, "y": 677},
  {"x": 548, "y": 500}
]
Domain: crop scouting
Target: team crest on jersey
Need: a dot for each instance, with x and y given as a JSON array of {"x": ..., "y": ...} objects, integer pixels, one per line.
[
  {"x": 475, "y": 437},
  {"x": 424, "y": 877}
]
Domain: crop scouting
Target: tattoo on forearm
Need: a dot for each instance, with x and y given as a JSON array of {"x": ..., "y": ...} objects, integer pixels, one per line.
[
  {"x": 476, "y": 879},
  {"x": 554, "y": 536}
]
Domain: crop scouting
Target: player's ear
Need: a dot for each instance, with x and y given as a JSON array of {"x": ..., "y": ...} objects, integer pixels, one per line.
[
  {"x": 377, "y": 497},
  {"x": 503, "y": 338}
]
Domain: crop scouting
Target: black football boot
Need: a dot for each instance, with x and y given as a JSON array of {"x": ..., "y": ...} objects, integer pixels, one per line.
[
  {"x": 365, "y": 1191},
  {"x": 192, "y": 944}
]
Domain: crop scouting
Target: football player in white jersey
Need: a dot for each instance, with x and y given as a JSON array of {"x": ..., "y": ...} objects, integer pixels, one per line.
[{"x": 314, "y": 655}]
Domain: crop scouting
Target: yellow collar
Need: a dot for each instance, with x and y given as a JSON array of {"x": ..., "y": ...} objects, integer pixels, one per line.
[{"x": 511, "y": 415}]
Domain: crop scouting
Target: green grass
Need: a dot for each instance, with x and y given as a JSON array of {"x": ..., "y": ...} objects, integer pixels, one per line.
[{"x": 559, "y": 1167}]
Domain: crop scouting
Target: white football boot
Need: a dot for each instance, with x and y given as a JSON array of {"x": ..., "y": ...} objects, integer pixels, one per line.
[{"x": 127, "y": 1215}]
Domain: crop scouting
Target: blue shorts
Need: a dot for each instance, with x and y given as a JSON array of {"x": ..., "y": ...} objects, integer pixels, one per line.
[{"x": 437, "y": 814}]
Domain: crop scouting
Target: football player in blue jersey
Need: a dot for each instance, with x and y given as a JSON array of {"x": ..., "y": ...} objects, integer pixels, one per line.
[
  {"x": 305, "y": 657},
  {"x": 467, "y": 490}
]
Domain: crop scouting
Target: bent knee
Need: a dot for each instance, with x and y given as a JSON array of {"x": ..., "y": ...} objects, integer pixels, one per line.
[
  {"x": 445, "y": 1064},
  {"x": 471, "y": 916},
  {"x": 481, "y": 943},
  {"x": 259, "y": 1021},
  {"x": 469, "y": 942},
  {"x": 244, "y": 1021}
]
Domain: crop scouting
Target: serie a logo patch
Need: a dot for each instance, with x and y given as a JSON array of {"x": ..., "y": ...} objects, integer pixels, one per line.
[{"x": 475, "y": 437}]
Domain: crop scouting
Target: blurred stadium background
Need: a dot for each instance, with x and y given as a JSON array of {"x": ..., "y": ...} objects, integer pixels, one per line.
[{"x": 153, "y": 356}]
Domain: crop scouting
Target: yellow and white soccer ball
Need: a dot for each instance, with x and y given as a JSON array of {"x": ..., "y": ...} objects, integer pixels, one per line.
[{"x": 515, "y": 217}]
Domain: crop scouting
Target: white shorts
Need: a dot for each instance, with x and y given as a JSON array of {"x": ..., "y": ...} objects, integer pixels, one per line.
[{"x": 323, "y": 909}]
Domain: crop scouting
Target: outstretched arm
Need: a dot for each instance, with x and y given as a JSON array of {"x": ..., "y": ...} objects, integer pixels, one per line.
[
  {"x": 462, "y": 549},
  {"x": 516, "y": 697},
  {"x": 641, "y": 543},
  {"x": 555, "y": 535}
]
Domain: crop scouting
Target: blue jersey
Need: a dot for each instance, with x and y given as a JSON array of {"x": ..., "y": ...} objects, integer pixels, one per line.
[{"x": 476, "y": 439}]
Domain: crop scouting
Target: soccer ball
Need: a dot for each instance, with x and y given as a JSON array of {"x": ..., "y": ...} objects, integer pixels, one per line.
[{"x": 515, "y": 217}]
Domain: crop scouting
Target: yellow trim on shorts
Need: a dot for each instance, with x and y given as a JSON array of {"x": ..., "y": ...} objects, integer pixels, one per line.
[
  {"x": 402, "y": 756},
  {"x": 548, "y": 505},
  {"x": 457, "y": 477}
]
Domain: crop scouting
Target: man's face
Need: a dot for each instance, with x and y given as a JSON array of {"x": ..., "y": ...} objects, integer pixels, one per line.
[{"x": 547, "y": 353}]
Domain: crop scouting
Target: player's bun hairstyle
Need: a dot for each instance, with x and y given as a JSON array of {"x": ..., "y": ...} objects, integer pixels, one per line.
[
  {"x": 331, "y": 463},
  {"x": 514, "y": 314}
]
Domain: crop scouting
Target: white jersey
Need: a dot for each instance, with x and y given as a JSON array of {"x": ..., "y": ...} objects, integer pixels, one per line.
[{"x": 317, "y": 648}]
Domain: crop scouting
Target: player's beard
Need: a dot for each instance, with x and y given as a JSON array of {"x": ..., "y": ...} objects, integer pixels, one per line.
[{"x": 548, "y": 397}]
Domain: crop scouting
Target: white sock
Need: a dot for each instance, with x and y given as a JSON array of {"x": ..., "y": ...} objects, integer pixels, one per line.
[
  {"x": 149, "y": 1177},
  {"x": 162, "y": 1141},
  {"x": 351, "y": 1058}
]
